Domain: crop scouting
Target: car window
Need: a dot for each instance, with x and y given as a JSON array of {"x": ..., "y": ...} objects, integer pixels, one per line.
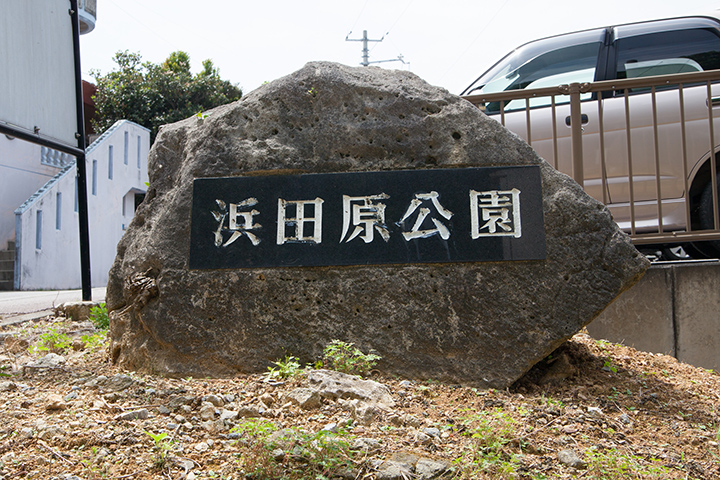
[
  {"x": 576, "y": 76},
  {"x": 663, "y": 53},
  {"x": 553, "y": 61},
  {"x": 666, "y": 66}
]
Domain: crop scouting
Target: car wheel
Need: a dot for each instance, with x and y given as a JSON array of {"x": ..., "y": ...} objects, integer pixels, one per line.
[
  {"x": 675, "y": 253},
  {"x": 707, "y": 222}
]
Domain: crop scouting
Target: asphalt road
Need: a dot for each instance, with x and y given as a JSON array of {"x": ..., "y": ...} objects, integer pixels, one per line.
[{"x": 17, "y": 303}]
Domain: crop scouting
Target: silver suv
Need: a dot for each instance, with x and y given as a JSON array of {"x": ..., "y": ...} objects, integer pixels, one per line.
[{"x": 660, "y": 47}]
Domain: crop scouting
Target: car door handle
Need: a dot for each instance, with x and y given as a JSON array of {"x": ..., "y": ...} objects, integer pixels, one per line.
[
  {"x": 583, "y": 119},
  {"x": 715, "y": 101}
]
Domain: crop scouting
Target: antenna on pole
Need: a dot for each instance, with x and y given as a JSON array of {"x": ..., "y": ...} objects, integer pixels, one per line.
[{"x": 366, "y": 53}]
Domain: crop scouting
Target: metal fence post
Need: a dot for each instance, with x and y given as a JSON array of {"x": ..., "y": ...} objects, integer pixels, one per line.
[{"x": 576, "y": 131}]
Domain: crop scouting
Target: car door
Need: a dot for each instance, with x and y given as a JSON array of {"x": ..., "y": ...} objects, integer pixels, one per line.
[{"x": 649, "y": 49}]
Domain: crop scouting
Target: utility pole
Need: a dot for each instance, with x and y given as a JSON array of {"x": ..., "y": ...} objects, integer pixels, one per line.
[{"x": 366, "y": 53}]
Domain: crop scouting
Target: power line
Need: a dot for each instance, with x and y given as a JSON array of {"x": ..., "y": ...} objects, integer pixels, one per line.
[
  {"x": 395, "y": 23},
  {"x": 150, "y": 29},
  {"x": 358, "y": 17},
  {"x": 489, "y": 22},
  {"x": 366, "y": 52},
  {"x": 401, "y": 15}
]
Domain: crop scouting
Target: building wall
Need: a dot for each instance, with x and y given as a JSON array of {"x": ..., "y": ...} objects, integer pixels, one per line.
[
  {"x": 49, "y": 254},
  {"x": 47, "y": 250},
  {"x": 22, "y": 174}
]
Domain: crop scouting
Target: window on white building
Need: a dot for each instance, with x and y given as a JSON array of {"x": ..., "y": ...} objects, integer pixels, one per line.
[
  {"x": 110, "y": 162},
  {"x": 38, "y": 229},
  {"x": 139, "y": 143},
  {"x": 58, "y": 210},
  {"x": 94, "y": 178},
  {"x": 127, "y": 146}
]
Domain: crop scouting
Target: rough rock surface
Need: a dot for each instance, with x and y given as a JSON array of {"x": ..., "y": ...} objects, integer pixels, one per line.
[
  {"x": 336, "y": 385},
  {"x": 475, "y": 323},
  {"x": 77, "y": 311}
]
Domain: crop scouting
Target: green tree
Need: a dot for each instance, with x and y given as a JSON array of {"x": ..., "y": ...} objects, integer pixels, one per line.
[{"x": 155, "y": 94}]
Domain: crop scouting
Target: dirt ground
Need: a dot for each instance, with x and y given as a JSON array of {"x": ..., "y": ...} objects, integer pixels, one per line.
[{"x": 591, "y": 410}]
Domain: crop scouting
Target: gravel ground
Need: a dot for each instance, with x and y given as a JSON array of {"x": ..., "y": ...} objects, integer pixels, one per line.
[{"x": 591, "y": 410}]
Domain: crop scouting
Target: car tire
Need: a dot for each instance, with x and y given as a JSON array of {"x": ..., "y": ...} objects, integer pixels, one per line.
[
  {"x": 707, "y": 222},
  {"x": 675, "y": 253}
]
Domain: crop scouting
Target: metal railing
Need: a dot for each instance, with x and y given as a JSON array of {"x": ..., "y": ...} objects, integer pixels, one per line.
[{"x": 585, "y": 98}]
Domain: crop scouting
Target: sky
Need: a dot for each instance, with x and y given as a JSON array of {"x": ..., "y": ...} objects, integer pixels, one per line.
[{"x": 447, "y": 43}]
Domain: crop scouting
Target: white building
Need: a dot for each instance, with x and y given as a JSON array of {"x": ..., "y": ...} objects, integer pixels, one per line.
[
  {"x": 45, "y": 226},
  {"x": 24, "y": 168}
]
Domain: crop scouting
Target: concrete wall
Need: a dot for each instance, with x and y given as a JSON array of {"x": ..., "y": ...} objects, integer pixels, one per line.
[
  {"x": 674, "y": 309},
  {"x": 48, "y": 251}
]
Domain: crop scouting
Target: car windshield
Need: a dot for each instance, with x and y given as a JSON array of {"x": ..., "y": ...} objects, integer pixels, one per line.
[{"x": 537, "y": 62}]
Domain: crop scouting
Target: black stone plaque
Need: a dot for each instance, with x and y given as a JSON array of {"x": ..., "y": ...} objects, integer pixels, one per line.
[{"x": 366, "y": 218}]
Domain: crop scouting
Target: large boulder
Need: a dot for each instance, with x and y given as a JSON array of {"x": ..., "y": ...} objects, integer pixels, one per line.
[{"x": 483, "y": 323}]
